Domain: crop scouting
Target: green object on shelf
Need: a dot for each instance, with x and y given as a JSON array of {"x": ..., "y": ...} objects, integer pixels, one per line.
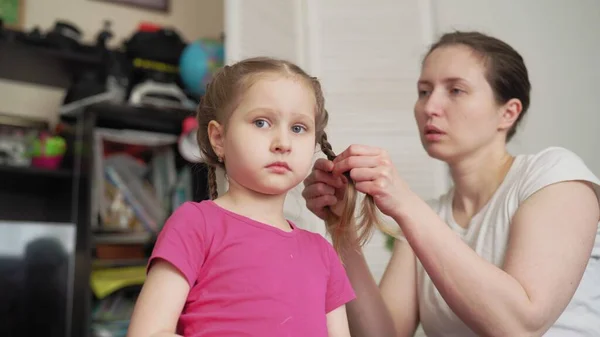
[
  {"x": 106, "y": 281},
  {"x": 49, "y": 146}
]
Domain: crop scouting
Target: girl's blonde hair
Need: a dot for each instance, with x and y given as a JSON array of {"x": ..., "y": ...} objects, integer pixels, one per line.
[{"x": 222, "y": 96}]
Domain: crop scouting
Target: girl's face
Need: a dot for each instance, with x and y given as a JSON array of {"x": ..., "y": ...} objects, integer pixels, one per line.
[
  {"x": 456, "y": 111},
  {"x": 269, "y": 141}
]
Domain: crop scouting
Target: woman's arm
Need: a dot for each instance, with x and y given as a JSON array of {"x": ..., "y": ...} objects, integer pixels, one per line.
[
  {"x": 390, "y": 309},
  {"x": 160, "y": 302},
  {"x": 399, "y": 289},
  {"x": 368, "y": 314},
  {"x": 551, "y": 238}
]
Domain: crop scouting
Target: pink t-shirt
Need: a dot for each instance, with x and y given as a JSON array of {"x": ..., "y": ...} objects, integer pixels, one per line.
[{"x": 248, "y": 278}]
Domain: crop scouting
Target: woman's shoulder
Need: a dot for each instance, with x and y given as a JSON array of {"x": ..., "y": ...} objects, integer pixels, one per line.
[
  {"x": 551, "y": 156},
  {"x": 552, "y": 161},
  {"x": 548, "y": 166}
]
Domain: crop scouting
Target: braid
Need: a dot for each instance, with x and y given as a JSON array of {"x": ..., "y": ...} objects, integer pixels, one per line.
[
  {"x": 212, "y": 182},
  {"x": 326, "y": 147},
  {"x": 341, "y": 227}
]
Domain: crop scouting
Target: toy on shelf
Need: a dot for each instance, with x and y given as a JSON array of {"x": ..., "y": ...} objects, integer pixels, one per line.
[{"x": 47, "y": 151}]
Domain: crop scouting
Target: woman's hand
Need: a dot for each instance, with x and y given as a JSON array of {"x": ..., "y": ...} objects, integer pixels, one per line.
[
  {"x": 324, "y": 189},
  {"x": 373, "y": 173}
]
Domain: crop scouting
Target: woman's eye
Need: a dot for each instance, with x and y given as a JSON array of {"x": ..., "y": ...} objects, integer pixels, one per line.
[
  {"x": 456, "y": 91},
  {"x": 261, "y": 123},
  {"x": 298, "y": 128},
  {"x": 423, "y": 93}
]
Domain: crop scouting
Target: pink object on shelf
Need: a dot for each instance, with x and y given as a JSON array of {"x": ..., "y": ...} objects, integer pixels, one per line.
[
  {"x": 51, "y": 163},
  {"x": 189, "y": 124}
]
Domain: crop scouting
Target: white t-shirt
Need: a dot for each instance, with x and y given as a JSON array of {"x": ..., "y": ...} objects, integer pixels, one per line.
[{"x": 488, "y": 232}]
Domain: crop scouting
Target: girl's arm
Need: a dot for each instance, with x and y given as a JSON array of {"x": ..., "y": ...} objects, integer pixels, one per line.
[
  {"x": 551, "y": 238},
  {"x": 337, "y": 323},
  {"x": 160, "y": 302}
]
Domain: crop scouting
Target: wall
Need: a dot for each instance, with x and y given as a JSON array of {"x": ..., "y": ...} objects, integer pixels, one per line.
[{"x": 561, "y": 46}]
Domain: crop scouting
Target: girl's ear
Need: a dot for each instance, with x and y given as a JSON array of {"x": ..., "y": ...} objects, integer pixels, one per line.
[
  {"x": 510, "y": 113},
  {"x": 216, "y": 136}
]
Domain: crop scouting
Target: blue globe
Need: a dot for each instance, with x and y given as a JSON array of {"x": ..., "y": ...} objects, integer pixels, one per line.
[{"x": 198, "y": 62}]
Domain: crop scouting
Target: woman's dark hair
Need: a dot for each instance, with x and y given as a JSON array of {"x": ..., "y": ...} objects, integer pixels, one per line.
[{"x": 505, "y": 69}]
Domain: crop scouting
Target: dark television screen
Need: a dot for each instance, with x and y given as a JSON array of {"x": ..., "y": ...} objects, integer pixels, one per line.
[{"x": 36, "y": 277}]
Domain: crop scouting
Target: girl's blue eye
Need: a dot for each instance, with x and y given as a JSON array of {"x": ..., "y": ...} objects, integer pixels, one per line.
[
  {"x": 260, "y": 123},
  {"x": 298, "y": 128}
]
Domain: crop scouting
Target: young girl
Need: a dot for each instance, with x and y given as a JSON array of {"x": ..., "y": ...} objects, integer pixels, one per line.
[{"x": 234, "y": 266}]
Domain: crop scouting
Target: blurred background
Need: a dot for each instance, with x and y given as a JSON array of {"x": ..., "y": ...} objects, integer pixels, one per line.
[{"x": 97, "y": 100}]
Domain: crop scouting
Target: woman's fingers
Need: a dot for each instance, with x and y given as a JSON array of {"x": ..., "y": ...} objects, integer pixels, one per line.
[
  {"x": 317, "y": 205},
  {"x": 323, "y": 165},
  {"x": 366, "y": 187},
  {"x": 316, "y": 190},
  {"x": 357, "y": 150},
  {"x": 326, "y": 177},
  {"x": 355, "y": 162}
]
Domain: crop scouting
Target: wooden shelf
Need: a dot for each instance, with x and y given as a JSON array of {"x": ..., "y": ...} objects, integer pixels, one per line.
[
  {"x": 17, "y": 172},
  {"x": 115, "y": 263},
  {"x": 25, "y": 62},
  {"x": 122, "y": 238},
  {"x": 144, "y": 118}
]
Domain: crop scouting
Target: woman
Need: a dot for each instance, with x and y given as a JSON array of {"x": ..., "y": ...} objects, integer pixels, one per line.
[{"x": 509, "y": 250}]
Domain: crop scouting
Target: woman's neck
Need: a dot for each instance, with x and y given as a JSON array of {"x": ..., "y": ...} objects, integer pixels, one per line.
[
  {"x": 477, "y": 177},
  {"x": 260, "y": 207}
]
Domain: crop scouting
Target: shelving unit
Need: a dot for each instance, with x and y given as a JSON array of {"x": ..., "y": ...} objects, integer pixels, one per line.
[
  {"x": 29, "y": 194},
  {"x": 65, "y": 195},
  {"x": 121, "y": 116}
]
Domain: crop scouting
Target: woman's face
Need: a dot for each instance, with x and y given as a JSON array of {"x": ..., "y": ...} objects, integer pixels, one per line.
[{"x": 456, "y": 112}]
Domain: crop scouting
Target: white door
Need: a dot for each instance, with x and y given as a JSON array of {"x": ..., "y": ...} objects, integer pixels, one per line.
[{"x": 264, "y": 28}]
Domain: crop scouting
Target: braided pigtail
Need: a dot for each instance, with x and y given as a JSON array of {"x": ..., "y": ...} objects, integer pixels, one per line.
[
  {"x": 208, "y": 111},
  {"x": 341, "y": 228},
  {"x": 212, "y": 182}
]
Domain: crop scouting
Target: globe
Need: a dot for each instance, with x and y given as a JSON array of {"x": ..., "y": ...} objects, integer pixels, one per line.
[{"x": 198, "y": 62}]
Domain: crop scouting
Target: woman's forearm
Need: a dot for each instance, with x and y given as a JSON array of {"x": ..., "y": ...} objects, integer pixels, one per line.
[
  {"x": 486, "y": 298},
  {"x": 367, "y": 314}
]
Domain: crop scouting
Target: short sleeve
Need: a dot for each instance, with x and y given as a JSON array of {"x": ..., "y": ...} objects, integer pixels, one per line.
[
  {"x": 181, "y": 241},
  {"x": 551, "y": 166},
  {"x": 339, "y": 289}
]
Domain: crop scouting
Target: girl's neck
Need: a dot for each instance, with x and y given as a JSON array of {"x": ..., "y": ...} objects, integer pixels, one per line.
[
  {"x": 477, "y": 177},
  {"x": 260, "y": 207}
]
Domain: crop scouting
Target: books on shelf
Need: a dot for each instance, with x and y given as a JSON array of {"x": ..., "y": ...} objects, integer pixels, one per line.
[{"x": 136, "y": 183}]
